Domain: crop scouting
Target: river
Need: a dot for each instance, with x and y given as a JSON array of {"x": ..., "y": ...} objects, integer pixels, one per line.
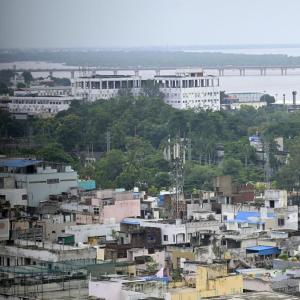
[{"x": 273, "y": 83}]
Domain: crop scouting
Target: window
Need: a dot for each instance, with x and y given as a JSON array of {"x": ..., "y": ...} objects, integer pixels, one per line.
[
  {"x": 280, "y": 222},
  {"x": 96, "y": 210},
  {"x": 2, "y": 197},
  {"x": 52, "y": 181},
  {"x": 110, "y": 84},
  {"x": 224, "y": 218},
  {"x": 165, "y": 238},
  {"x": 104, "y": 84},
  {"x": 24, "y": 197}
]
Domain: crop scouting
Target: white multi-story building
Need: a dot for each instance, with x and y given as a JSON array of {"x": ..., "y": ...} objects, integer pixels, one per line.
[
  {"x": 183, "y": 90},
  {"x": 40, "y": 106},
  {"x": 190, "y": 90},
  {"x": 38, "y": 178},
  {"x": 44, "y": 91},
  {"x": 96, "y": 87}
]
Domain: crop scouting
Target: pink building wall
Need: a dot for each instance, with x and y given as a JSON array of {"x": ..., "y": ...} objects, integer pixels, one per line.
[{"x": 122, "y": 209}]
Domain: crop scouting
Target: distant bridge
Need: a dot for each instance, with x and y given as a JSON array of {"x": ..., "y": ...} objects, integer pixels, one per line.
[{"x": 221, "y": 71}]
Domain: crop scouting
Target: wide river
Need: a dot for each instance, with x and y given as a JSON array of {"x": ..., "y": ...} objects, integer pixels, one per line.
[{"x": 272, "y": 83}]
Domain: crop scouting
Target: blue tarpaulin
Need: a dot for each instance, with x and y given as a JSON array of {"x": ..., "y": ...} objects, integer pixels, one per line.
[
  {"x": 131, "y": 222},
  {"x": 263, "y": 250},
  {"x": 19, "y": 163},
  {"x": 87, "y": 184}
]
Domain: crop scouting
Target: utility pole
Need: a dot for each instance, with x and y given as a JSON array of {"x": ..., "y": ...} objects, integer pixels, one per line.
[
  {"x": 267, "y": 162},
  {"x": 108, "y": 140},
  {"x": 189, "y": 143}
]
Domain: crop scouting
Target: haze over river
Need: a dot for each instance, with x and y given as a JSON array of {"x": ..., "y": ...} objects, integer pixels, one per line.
[{"x": 273, "y": 83}]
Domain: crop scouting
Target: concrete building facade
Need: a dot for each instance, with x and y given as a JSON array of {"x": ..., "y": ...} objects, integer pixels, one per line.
[{"x": 183, "y": 90}]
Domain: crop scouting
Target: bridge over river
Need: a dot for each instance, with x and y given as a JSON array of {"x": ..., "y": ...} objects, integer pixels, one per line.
[{"x": 229, "y": 70}]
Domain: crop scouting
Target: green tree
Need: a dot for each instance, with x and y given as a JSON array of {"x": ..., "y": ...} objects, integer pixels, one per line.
[
  {"x": 55, "y": 153},
  {"x": 267, "y": 98},
  {"x": 4, "y": 90},
  {"x": 232, "y": 167},
  {"x": 108, "y": 168},
  {"x": 151, "y": 90},
  {"x": 27, "y": 77},
  {"x": 21, "y": 85},
  {"x": 6, "y": 76}
]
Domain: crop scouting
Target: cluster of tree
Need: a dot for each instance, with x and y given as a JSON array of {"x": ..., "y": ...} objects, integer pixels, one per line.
[
  {"x": 136, "y": 131},
  {"x": 149, "y": 58},
  {"x": 6, "y": 77},
  {"x": 5, "y": 81},
  {"x": 57, "y": 81}
]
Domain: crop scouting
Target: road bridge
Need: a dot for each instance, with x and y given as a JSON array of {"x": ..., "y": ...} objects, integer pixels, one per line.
[{"x": 229, "y": 70}]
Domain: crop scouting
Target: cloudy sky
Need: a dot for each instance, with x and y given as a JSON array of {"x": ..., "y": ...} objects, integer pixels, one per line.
[{"x": 142, "y": 23}]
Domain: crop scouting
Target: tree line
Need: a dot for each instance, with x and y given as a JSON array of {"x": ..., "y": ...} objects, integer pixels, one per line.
[{"x": 137, "y": 130}]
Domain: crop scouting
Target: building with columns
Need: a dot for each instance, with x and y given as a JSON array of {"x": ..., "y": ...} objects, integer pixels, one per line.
[{"x": 182, "y": 90}]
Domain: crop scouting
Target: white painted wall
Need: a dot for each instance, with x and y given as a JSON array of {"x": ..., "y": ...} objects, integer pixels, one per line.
[
  {"x": 83, "y": 232},
  {"x": 109, "y": 290},
  {"x": 14, "y": 196},
  {"x": 37, "y": 187}
]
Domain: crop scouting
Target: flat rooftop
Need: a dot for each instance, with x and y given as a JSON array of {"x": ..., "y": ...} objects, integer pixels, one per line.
[
  {"x": 106, "y": 76},
  {"x": 258, "y": 296}
]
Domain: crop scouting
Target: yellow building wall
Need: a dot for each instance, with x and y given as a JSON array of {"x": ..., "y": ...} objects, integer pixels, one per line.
[
  {"x": 216, "y": 270},
  {"x": 100, "y": 253},
  {"x": 181, "y": 254},
  {"x": 93, "y": 240},
  {"x": 217, "y": 286}
]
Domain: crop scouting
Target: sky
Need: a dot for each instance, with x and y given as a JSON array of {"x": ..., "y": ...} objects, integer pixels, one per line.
[{"x": 146, "y": 23}]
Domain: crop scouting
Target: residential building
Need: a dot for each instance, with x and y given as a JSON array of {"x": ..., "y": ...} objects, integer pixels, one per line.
[
  {"x": 11, "y": 192},
  {"x": 208, "y": 281},
  {"x": 38, "y": 178},
  {"x": 25, "y": 252}
]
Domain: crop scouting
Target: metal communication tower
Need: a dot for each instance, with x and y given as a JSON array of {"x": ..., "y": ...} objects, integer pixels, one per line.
[{"x": 175, "y": 153}]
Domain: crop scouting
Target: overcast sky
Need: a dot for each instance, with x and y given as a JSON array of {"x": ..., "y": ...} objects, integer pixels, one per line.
[{"x": 142, "y": 23}]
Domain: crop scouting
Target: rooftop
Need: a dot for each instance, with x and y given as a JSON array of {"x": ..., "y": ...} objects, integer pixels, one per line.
[
  {"x": 18, "y": 163},
  {"x": 258, "y": 296},
  {"x": 97, "y": 76}
]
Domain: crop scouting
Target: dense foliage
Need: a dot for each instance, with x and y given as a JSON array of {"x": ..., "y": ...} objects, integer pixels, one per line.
[
  {"x": 138, "y": 130},
  {"x": 148, "y": 58}
]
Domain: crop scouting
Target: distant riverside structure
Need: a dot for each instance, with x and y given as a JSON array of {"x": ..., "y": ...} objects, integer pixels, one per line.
[
  {"x": 41, "y": 101},
  {"x": 182, "y": 90},
  {"x": 238, "y": 100},
  {"x": 41, "y": 106}
]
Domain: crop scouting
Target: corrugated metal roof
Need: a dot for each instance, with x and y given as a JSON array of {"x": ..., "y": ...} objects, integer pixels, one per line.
[
  {"x": 131, "y": 222},
  {"x": 263, "y": 250},
  {"x": 259, "y": 248},
  {"x": 248, "y": 217},
  {"x": 19, "y": 163}
]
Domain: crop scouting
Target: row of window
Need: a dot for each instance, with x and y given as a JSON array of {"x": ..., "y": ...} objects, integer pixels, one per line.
[
  {"x": 141, "y": 83},
  {"x": 40, "y": 102},
  {"x": 3, "y": 197},
  {"x": 34, "y": 109},
  {"x": 188, "y": 83},
  {"x": 108, "y": 84},
  {"x": 211, "y": 101}
]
